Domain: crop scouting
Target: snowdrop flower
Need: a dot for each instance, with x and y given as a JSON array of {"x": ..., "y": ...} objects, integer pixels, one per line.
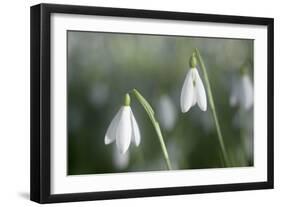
[
  {"x": 123, "y": 128},
  {"x": 242, "y": 92},
  {"x": 167, "y": 112},
  {"x": 193, "y": 90}
]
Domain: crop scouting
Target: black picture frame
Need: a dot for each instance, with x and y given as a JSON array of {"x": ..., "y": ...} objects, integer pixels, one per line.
[{"x": 41, "y": 99}]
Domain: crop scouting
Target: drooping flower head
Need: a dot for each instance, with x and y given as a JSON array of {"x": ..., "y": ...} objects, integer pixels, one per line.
[
  {"x": 193, "y": 90},
  {"x": 167, "y": 112},
  {"x": 123, "y": 128},
  {"x": 242, "y": 91}
]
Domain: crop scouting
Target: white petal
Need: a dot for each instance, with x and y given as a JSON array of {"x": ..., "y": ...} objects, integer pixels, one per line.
[
  {"x": 233, "y": 100},
  {"x": 167, "y": 112},
  {"x": 240, "y": 93},
  {"x": 136, "y": 138},
  {"x": 187, "y": 93},
  {"x": 247, "y": 99},
  {"x": 120, "y": 160},
  {"x": 234, "y": 97},
  {"x": 200, "y": 92},
  {"x": 111, "y": 130},
  {"x": 124, "y": 130},
  {"x": 194, "y": 97}
]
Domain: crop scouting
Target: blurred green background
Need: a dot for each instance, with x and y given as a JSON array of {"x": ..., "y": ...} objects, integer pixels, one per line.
[{"x": 102, "y": 67}]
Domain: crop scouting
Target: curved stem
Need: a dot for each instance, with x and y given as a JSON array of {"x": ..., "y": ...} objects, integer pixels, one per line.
[
  {"x": 155, "y": 124},
  {"x": 163, "y": 146},
  {"x": 212, "y": 105}
]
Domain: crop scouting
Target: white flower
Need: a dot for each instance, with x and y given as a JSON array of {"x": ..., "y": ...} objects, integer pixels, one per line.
[
  {"x": 193, "y": 92},
  {"x": 123, "y": 128},
  {"x": 242, "y": 93},
  {"x": 167, "y": 112}
]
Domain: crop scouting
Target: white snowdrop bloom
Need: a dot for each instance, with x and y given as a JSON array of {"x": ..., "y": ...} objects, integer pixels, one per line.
[
  {"x": 242, "y": 93},
  {"x": 193, "y": 92},
  {"x": 167, "y": 112},
  {"x": 120, "y": 160},
  {"x": 123, "y": 128}
]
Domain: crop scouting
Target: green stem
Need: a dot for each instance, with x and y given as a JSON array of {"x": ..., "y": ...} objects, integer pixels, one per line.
[
  {"x": 212, "y": 105},
  {"x": 155, "y": 124}
]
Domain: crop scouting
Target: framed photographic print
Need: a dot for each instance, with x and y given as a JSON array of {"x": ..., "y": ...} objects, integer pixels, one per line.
[{"x": 133, "y": 103}]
